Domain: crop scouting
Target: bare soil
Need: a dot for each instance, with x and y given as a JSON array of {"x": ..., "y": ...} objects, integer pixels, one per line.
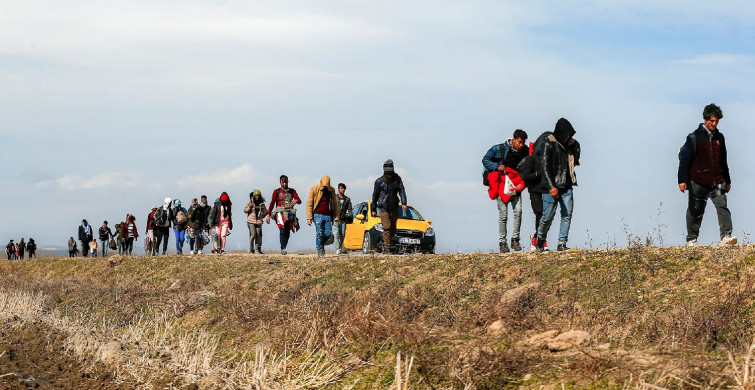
[{"x": 34, "y": 357}]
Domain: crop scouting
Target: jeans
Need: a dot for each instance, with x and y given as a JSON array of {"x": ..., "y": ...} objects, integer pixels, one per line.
[
  {"x": 128, "y": 247},
  {"x": 180, "y": 238},
  {"x": 104, "y": 247},
  {"x": 339, "y": 234},
  {"x": 255, "y": 237},
  {"x": 698, "y": 198},
  {"x": 565, "y": 201},
  {"x": 323, "y": 225},
  {"x": 94, "y": 253},
  {"x": 503, "y": 217},
  {"x": 198, "y": 240},
  {"x": 536, "y": 201}
]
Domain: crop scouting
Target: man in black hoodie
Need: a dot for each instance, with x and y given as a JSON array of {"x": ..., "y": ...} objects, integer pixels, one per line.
[{"x": 560, "y": 155}]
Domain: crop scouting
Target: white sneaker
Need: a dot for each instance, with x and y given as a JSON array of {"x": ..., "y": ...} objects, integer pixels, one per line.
[
  {"x": 200, "y": 252},
  {"x": 691, "y": 243},
  {"x": 729, "y": 240}
]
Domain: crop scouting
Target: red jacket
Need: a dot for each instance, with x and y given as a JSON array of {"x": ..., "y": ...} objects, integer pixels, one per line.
[{"x": 497, "y": 182}]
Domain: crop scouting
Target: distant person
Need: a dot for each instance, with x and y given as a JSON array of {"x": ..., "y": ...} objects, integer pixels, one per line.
[
  {"x": 498, "y": 157},
  {"x": 256, "y": 211},
  {"x": 345, "y": 215},
  {"x": 560, "y": 155},
  {"x": 105, "y": 235},
  {"x": 322, "y": 209},
  {"x": 191, "y": 229},
  {"x": 387, "y": 195},
  {"x": 221, "y": 220},
  {"x": 530, "y": 169},
  {"x": 72, "y": 250},
  {"x": 704, "y": 171},
  {"x": 161, "y": 227},
  {"x": 149, "y": 232},
  {"x": 130, "y": 233},
  {"x": 119, "y": 237},
  {"x": 93, "y": 247},
  {"x": 21, "y": 248},
  {"x": 10, "y": 250},
  {"x": 85, "y": 237},
  {"x": 198, "y": 220},
  {"x": 179, "y": 221},
  {"x": 282, "y": 204},
  {"x": 31, "y": 248}
]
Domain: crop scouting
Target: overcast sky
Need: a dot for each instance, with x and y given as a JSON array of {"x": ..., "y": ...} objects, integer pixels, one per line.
[{"x": 108, "y": 107}]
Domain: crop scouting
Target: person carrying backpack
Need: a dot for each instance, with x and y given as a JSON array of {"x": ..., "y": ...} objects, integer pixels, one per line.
[
  {"x": 282, "y": 204},
  {"x": 20, "y": 248},
  {"x": 704, "y": 171},
  {"x": 221, "y": 220},
  {"x": 10, "y": 250},
  {"x": 498, "y": 157},
  {"x": 31, "y": 248},
  {"x": 180, "y": 221},
  {"x": 256, "y": 211},
  {"x": 560, "y": 155},
  {"x": 322, "y": 209},
  {"x": 161, "y": 227}
]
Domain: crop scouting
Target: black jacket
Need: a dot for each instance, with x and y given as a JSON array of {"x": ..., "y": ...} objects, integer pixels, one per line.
[
  {"x": 561, "y": 154},
  {"x": 84, "y": 237},
  {"x": 386, "y": 193},
  {"x": 530, "y": 169},
  {"x": 215, "y": 213},
  {"x": 105, "y": 233}
]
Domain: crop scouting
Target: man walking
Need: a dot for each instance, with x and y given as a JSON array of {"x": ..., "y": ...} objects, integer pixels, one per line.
[
  {"x": 704, "y": 171},
  {"x": 531, "y": 171},
  {"x": 322, "y": 209},
  {"x": 388, "y": 191},
  {"x": 105, "y": 234},
  {"x": 85, "y": 237},
  {"x": 282, "y": 204},
  {"x": 345, "y": 215},
  {"x": 509, "y": 154},
  {"x": 560, "y": 155}
]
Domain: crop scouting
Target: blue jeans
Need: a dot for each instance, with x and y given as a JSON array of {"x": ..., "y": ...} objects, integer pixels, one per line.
[
  {"x": 503, "y": 217},
  {"x": 565, "y": 201},
  {"x": 339, "y": 234},
  {"x": 180, "y": 237},
  {"x": 323, "y": 224},
  {"x": 104, "y": 247}
]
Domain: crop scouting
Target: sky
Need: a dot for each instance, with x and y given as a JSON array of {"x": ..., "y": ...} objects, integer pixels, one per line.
[{"x": 109, "y": 107}]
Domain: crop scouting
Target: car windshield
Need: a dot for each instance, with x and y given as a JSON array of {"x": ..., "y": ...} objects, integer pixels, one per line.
[{"x": 410, "y": 213}]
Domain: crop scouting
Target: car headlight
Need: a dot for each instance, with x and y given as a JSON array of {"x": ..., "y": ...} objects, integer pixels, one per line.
[
  {"x": 429, "y": 232},
  {"x": 379, "y": 227}
]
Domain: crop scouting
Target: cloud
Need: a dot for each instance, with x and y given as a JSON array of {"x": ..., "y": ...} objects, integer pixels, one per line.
[
  {"x": 718, "y": 59},
  {"x": 113, "y": 180},
  {"x": 241, "y": 175}
]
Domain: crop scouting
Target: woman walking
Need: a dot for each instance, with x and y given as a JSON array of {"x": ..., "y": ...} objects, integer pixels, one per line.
[
  {"x": 221, "y": 220},
  {"x": 256, "y": 211}
]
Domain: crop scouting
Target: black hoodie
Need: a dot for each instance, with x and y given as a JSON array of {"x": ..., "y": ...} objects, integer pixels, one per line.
[{"x": 557, "y": 170}]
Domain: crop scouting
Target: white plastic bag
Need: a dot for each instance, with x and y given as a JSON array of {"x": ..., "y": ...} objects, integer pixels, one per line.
[{"x": 508, "y": 187}]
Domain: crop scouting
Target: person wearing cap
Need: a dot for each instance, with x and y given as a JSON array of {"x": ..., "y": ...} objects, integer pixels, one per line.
[
  {"x": 322, "y": 209},
  {"x": 85, "y": 237},
  {"x": 221, "y": 220},
  {"x": 561, "y": 154},
  {"x": 256, "y": 211},
  {"x": 346, "y": 215},
  {"x": 105, "y": 234},
  {"x": 387, "y": 195}
]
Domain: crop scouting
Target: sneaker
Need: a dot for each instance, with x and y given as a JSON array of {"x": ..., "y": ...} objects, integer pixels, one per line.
[
  {"x": 200, "y": 252},
  {"x": 533, "y": 239},
  {"x": 729, "y": 240},
  {"x": 515, "y": 244},
  {"x": 545, "y": 246},
  {"x": 259, "y": 252},
  {"x": 561, "y": 247},
  {"x": 283, "y": 252},
  {"x": 691, "y": 243},
  {"x": 320, "y": 252},
  {"x": 539, "y": 246},
  {"x": 222, "y": 252},
  {"x": 503, "y": 247}
]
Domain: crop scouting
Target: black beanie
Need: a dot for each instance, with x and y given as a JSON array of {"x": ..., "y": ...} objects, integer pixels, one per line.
[
  {"x": 563, "y": 130},
  {"x": 388, "y": 166}
]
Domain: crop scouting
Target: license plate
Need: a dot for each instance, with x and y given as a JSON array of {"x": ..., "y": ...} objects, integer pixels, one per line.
[{"x": 413, "y": 241}]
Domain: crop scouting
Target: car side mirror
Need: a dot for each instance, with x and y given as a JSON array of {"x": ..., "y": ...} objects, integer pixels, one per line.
[
  {"x": 429, "y": 222},
  {"x": 360, "y": 217}
]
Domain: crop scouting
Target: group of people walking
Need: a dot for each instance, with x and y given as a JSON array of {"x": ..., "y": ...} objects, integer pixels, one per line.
[
  {"x": 547, "y": 169},
  {"x": 16, "y": 251}
]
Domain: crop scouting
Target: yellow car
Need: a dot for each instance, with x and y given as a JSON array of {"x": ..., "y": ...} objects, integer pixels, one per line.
[{"x": 413, "y": 232}]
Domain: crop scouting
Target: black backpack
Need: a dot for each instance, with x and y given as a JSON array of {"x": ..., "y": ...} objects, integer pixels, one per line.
[
  {"x": 486, "y": 172},
  {"x": 692, "y": 137},
  {"x": 160, "y": 219}
]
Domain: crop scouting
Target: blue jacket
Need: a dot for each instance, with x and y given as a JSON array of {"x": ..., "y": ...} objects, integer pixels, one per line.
[{"x": 493, "y": 158}]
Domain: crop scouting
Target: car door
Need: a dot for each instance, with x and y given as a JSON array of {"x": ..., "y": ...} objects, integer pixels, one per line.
[{"x": 355, "y": 230}]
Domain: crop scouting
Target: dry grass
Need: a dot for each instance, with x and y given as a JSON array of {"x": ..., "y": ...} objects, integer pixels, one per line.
[{"x": 403, "y": 322}]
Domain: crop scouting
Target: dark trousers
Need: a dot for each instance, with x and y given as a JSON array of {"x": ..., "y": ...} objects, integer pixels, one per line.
[
  {"x": 128, "y": 246},
  {"x": 388, "y": 220},
  {"x": 285, "y": 234},
  {"x": 698, "y": 198},
  {"x": 161, "y": 233},
  {"x": 85, "y": 248},
  {"x": 536, "y": 201}
]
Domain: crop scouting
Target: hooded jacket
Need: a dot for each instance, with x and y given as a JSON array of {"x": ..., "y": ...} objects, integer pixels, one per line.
[
  {"x": 561, "y": 154},
  {"x": 530, "y": 169},
  {"x": 255, "y": 210},
  {"x": 215, "y": 212},
  {"x": 316, "y": 193}
]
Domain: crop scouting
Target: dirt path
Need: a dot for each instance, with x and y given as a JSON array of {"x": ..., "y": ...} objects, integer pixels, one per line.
[{"x": 34, "y": 357}]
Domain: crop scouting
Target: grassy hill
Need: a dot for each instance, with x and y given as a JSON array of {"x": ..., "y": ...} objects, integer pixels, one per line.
[{"x": 642, "y": 317}]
